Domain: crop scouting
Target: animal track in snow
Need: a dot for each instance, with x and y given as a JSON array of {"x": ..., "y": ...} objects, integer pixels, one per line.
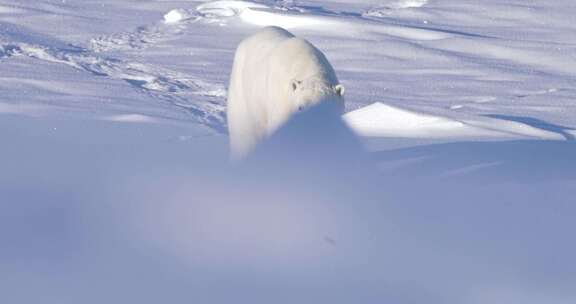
[
  {"x": 143, "y": 36},
  {"x": 204, "y": 100},
  {"x": 167, "y": 86}
]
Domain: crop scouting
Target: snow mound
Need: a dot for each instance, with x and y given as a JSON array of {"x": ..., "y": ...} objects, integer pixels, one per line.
[
  {"x": 227, "y": 8},
  {"x": 381, "y": 120},
  {"x": 409, "y": 3},
  {"x": 259, "y": 14},
  {"x": 177, "y": 15},
  {"x": 386, "y": 9},
  {"x": 285, "y": 19}
]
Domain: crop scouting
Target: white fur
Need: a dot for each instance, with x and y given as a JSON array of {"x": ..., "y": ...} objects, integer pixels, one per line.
[{"x": 275, "y": 74}]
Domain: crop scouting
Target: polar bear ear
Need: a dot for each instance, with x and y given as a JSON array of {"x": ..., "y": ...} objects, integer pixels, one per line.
[
  {"x": 339, "y": 89},
  {"x": 295, "y": 84}
]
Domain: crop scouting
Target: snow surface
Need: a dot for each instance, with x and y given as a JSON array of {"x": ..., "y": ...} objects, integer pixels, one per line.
[{"x": 455, "y": 184}]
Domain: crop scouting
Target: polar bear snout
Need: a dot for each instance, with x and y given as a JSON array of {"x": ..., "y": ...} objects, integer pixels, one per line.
[
  {"x": 309, "y": 92},
  {"x": 339, "y": 90},
  {"x": 295, "y": 84},
  {"x": 317, "y": 85}
]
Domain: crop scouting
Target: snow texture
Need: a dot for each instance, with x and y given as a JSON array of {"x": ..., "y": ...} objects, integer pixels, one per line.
[{"x": 450, "y": 179}]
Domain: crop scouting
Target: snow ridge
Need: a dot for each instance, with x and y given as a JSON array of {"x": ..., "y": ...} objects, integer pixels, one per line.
[{"x": 382, "y": 120}]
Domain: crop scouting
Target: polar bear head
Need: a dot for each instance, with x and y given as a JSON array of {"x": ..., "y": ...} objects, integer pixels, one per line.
[{"x": 312, "y": 91}]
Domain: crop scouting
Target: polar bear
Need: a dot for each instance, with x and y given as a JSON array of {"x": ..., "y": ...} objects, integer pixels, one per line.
[{"x": 275, "y": 75}]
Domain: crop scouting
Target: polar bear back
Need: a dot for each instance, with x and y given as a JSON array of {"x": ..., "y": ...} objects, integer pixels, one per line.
[{"x": 246, "y": 115}]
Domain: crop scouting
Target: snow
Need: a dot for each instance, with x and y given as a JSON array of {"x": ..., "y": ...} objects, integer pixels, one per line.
[
  {"x": 176, "y": 15},
  {"x": 458, "y": 187},
  {"x": 383, "y": 120}
]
